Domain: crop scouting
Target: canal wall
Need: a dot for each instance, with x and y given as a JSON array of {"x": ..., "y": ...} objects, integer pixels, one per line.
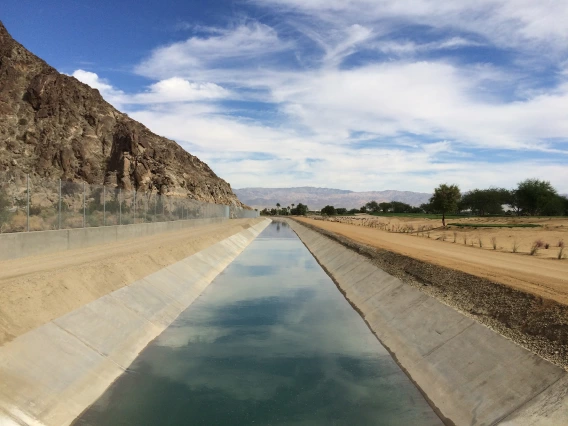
[
  {"x": 22, "y": 244},
  {"x": 49, "y": 375},
  {"x": 469, "y": 373}
]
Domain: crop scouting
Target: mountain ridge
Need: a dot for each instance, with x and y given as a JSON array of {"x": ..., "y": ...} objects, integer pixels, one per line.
[
  {"x": 316, "y": 198},
  {"x": 52, "y": 126}
]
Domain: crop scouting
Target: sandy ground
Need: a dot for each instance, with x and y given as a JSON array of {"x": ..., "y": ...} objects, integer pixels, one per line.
[
  {"x": 38, "y": 289},
  {"x": 551, "y": 231},
  {"x": 542, "y": 275}
]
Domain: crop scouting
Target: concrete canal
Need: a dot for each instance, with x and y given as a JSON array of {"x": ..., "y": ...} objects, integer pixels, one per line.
[{"x": 271, "y": 341}]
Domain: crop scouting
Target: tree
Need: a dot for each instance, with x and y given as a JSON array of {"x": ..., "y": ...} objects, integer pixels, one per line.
[
  {"x": 363, "y": 209},
  {"x": 277, "y": 208},
  {"x": 485, "y": 201},
  {"x": 299, "y": 210},
  {"x": 445, "y": 199},
  {"x": 328, "y": 210},
  {"x": 341, "y": 210},
  {"x": 385, "y": 207},
  {"x": 533, "y": 196},
  {"x": 373, "y": 206},
  {"x": 427, "y": 208},
  {"x": 398, "y": 207}
]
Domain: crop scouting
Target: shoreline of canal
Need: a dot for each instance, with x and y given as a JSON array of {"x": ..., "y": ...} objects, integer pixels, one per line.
[
  {"x": 271, "y": 340},
  {"x": 52, "y": 373},
  {"x": 450, "y": 364}
]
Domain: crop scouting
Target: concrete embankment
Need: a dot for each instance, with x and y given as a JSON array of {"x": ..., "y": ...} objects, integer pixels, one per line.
[
  {"x": 50, "y": 374},
  {"x": 22, "y": 244},
  {"x": 470, "y": 374}
]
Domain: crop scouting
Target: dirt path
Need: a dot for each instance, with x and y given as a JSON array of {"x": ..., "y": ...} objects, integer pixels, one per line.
[
  {"x": 38, "y": 289},
  {"x": 544, "y": 277}
]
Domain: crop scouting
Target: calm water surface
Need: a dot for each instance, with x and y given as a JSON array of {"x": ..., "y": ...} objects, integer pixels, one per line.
[{"x": 270, "y": 342}]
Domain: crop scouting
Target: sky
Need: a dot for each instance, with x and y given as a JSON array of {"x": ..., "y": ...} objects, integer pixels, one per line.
[{"x": 350, "y": 94}]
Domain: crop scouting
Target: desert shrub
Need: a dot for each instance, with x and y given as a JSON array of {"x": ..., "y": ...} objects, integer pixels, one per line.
[
  {"x": 37, "y": 224},
  {"x": 515, "y": 246},
  {"x": 538, "y": 244},
  {"x": 546, "y": 246}
]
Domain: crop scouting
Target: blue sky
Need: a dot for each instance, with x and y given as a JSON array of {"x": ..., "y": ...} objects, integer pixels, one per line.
[{"x": 350, "y": 94}]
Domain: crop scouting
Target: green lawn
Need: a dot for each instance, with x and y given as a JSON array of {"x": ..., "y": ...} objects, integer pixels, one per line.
[
  {"x": 419, "y": 215},
  {"x": 495, "y": 225}
]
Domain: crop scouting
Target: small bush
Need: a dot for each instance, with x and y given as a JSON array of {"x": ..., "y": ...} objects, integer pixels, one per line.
[
  {"x": 547, "y": 246},
  {"x": 538, "y": 244},
  {"x": 515, "y": 246}
]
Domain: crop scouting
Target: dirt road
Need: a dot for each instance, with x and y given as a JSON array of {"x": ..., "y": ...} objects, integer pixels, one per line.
[
  {"x": 544, "y": 277},
  {"x": 38, "y": 289}
]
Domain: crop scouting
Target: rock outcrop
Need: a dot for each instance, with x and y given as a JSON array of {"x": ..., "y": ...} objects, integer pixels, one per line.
[{"x": 52, "y": 126}]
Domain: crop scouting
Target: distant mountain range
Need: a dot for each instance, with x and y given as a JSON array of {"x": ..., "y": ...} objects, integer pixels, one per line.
[{"x": 316, "y": 198}]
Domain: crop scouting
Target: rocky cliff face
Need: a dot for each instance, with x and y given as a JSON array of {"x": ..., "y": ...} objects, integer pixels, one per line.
[{"x": 53, "y": 126}]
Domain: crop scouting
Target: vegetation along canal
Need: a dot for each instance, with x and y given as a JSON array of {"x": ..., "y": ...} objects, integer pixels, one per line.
[{"x": 271, "y": 341}]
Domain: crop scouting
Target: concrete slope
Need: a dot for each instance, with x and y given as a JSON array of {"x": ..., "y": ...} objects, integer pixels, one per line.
[
  {"x": 49, "y": 375},
  {"x": 470, "y": 374}
]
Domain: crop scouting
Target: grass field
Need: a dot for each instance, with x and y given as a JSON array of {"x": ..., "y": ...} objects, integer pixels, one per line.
[
  {"x": 495, "y": 225},
  {"x": 418, "y": 215}
]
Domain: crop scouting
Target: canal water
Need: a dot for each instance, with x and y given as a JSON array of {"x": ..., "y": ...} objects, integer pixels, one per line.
[{"x": 270, "y": 342}]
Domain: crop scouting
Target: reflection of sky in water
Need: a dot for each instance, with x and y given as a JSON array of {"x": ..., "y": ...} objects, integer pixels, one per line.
[{"x": 270, "y": 342}]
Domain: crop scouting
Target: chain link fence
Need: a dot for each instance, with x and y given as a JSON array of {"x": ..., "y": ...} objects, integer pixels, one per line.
[{"x": 39, "y": 205}]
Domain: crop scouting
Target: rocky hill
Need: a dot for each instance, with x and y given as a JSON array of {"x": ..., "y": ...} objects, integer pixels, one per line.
[
  {"x": 316, "y": 198},
  {"x": 52, "y": 126}
]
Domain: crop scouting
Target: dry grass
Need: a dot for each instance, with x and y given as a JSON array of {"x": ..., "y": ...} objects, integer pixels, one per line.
[
  {"x": 538, "y": 244},
  {"x": 515, "y": 246},
  {"x": 520, "y": 239}
]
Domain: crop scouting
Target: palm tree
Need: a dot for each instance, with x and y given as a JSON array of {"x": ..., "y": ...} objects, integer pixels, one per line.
[{"x": 277, "y": 208}]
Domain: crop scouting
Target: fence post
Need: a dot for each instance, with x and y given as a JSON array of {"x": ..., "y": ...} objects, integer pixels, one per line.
[
  {"x": 59, "y": 217},
  {"x": 28, "y": 202},
  {"x": 120, "y": 206},
  {"x": 104, "y": 206},
  {"x": 84, "y": 204}
]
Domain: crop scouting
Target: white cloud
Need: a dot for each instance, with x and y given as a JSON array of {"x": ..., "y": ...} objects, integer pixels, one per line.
[
  {"x": 176, "y": 89},
  {"x": 172, "y": 89},
  {"x": 372, "y": 123},
  {"x": 111, "y": 94},
  {"x": 518, "y": 23},
  {"x": 184, "y": 58}
]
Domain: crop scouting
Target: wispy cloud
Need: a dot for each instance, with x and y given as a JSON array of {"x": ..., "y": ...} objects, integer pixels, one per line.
[
  {"x": 380, "y": 93},
  {"x": 245, "y": 42}
]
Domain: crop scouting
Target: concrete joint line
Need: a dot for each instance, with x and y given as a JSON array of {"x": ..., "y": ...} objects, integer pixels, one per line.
[
  {"x": 431, "y": 351},
  {"x": 521, "y": 405},
  {"x": 88, "y": 345}
]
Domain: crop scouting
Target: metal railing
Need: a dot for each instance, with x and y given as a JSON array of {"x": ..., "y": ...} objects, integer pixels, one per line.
[{"x": 38, "y": 205}]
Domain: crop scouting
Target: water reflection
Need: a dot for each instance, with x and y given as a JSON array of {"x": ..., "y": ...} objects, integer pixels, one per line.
[{"x": 270, "y": 342}]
